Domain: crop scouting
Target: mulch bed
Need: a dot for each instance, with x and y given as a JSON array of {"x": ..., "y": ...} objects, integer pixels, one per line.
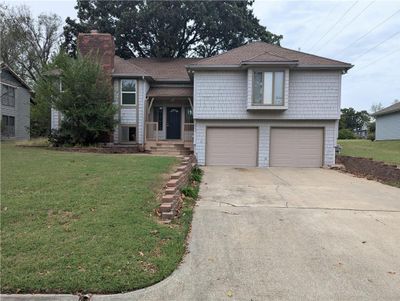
[
  {"x": 99, "y": 150},
  {"x": 370, "y": 169}
]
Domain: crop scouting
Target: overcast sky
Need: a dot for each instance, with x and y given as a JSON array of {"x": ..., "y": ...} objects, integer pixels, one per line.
[{"x": 364, "y": 33}]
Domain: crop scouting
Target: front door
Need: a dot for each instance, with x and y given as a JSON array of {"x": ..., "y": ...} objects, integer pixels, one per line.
[{"x": 174, "y": 123}]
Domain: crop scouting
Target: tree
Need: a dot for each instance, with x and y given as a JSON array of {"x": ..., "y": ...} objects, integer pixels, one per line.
[
  {"x": 28, "y": 43},
  {"x": 376, "y": 107},
  {"x": 353, "y": 120},
  {"x": 169, "y": 28},
  {"x": 84, "y": 102}
]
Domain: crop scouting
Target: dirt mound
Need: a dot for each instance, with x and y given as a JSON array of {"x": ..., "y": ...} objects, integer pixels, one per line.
[{"x": 370, "y": 169}]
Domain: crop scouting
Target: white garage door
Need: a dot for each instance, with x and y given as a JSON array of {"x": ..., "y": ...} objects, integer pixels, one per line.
[
  {"x": 296, "y": 147},
  {"x": 232, "y": 146}
]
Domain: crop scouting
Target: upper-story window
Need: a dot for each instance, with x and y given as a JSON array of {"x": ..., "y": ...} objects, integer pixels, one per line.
[
  {"x": 7, "y": 95},
  {"x": 269, "y": 88},
  {"x": 128, "y": 92}
]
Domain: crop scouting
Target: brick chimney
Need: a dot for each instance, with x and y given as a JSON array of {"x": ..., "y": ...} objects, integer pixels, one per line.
[{"x": 101, "y": 44}]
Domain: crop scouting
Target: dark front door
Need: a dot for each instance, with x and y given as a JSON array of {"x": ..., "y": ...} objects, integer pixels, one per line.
[{"x": 173, "y": 123}]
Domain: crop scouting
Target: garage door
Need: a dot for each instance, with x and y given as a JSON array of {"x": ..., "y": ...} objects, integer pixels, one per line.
[
  {"x": 296, "y": 147},
  {"x": 232, "y": 146}
]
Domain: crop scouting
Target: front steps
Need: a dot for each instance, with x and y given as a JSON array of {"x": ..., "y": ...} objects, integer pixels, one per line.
[{"x": 171, "y": 148}]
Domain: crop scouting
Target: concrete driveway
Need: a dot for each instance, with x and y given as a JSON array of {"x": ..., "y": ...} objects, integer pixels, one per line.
[{"x": 287, "y": 234}]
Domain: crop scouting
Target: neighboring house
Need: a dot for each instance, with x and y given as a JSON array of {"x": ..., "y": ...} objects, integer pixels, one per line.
[
  {"x": 256, "y": 105},
  {"x": 362, "y": 132},
  {"x": 15, "y": 105},
  {"x": 388, "y": 123}
]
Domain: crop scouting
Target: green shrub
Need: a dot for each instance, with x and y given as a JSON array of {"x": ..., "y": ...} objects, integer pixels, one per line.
[
  {"x": 196, "y": 174},
  {"x": 60, "y": 138},
  {"x": 85, "y": 101},
  {"x": 346, "y": 134},
  {"x": 190, "y": 191},
  {"x": 371, "y": 136}
]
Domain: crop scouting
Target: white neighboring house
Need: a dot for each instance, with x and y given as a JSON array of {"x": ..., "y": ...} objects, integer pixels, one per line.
[
  {"x": 256, "y": 105},
  {"x": 15, "y": 105},
  {"x": 388, "y": 123}
]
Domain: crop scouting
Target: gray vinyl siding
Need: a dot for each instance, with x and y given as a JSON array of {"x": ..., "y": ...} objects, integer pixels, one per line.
[
  {"x": 224, "y": 95},
  {"x": 388, "y": 127},
  {"x": 116, "y": 101},
  {"x": 55, "y": 119},
  {"x": 130, "y": 115},
  {"x": 21, "y": 111},
  {"x": 264, "y": 128},
  {"x": 143, "y": 89}
]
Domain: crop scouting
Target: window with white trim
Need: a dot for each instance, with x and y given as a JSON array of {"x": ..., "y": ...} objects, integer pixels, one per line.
[
  {"x": 128, "y": 92},
  {"x": 269, "y": 88},
  {"x": 128, "y": 133},
  {"x": 158, "y": 113},
  {"x": 7, "y": 95},
  {"x": 188, "y": 115},
  {"x": 7, "y": 126}
]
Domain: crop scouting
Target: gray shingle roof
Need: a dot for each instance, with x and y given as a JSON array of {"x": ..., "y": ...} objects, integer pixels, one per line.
[
  {"x": 170, "y": 92},
  {"x": 264, "y": 52},
  {"x": 160, "y": 69},
  {"x": 388, "y": 110}
]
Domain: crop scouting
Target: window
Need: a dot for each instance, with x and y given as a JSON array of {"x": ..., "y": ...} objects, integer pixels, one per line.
[
  {"x": 158, "y": 117},
  {"x": 7, "y": 126},
  {"x": 268, "y": 88},
  {"x": 188, "y": 115},
  {"x": 128, "y": 134},
  {"x": 128, "y": 92},
  {"x": 7, "y": 95}
]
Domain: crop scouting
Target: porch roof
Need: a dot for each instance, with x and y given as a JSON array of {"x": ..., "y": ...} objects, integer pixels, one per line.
[{"x": 170, "y": 92}]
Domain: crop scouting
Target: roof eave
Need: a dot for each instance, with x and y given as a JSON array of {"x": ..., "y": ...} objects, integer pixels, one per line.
[
  {"x": 212, "y": 67},
  {"x": 21, "y": 81},
  {"x": 322, "y": 66},
  {"x": 377, "y": 114},
  {"x": 131, "y": 75},
  {"x": 266, "y": 63}
]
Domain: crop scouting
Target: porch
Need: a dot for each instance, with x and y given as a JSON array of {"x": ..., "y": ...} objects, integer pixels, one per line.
[{"x": 169, "y": 123}]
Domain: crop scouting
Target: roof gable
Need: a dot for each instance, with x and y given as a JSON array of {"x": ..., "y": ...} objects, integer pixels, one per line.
[
  {"x": 264, "y": 52},
  {"x": 15, "y": 75}
]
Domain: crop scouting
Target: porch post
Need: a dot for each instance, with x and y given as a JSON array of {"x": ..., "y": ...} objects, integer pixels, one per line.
[
  {"x": 144, "y": 120},
  {"x": 190, "y": 102}
]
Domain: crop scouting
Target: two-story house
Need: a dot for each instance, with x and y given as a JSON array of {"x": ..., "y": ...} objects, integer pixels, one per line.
[
  {"x": 15, "y": 105},
  {"x": 256, "y": 105}
]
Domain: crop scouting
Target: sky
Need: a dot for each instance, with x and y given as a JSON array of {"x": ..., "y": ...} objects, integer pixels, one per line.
[{"x": 363, "y": 33}]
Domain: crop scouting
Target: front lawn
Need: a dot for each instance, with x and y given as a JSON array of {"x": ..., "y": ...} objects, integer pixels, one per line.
[
  {"x": 387, "y": 151},
  {"x": 78, "y": 222}
]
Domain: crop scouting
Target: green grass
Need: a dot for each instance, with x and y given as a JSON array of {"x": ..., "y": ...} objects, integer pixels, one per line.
[
  {"x": 78, "y": 222},
  {"x": 387, "y": 151}
]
